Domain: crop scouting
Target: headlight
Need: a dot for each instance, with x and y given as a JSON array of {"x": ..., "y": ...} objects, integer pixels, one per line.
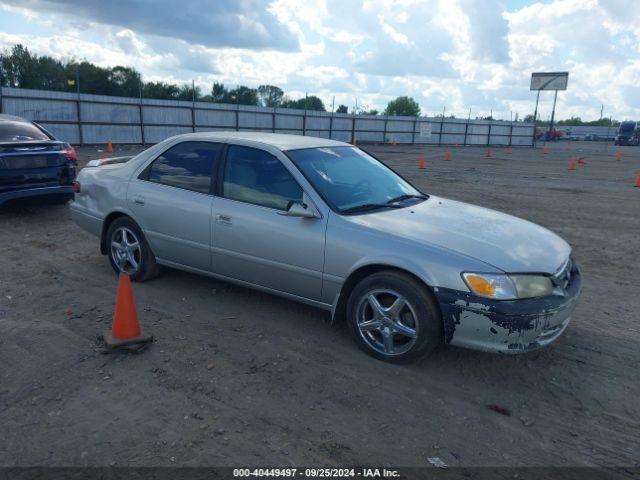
[
  {"x": 508, "y": 287},
  {"x": 529, "y": 286},
  {"x": 491, "y": 285}
]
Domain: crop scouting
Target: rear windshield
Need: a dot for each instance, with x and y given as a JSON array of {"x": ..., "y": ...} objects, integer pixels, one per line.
[{"x": 20, "y": 132}]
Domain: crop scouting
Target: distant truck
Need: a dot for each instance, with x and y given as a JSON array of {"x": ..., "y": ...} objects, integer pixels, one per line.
[{"x": 628, "y": 133}]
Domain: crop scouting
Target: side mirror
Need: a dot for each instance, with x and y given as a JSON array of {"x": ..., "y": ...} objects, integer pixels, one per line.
[{"x": 300, "y": 210}]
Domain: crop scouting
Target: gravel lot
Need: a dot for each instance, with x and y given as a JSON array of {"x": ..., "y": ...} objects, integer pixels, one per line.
[{"x": 238, "y": 377}]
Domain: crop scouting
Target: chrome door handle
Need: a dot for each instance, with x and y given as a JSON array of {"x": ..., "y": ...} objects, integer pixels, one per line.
[{"x": 138, "y": 201}]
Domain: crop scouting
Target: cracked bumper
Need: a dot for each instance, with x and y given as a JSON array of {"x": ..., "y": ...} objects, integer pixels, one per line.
[{"x": 507, "y": 326}]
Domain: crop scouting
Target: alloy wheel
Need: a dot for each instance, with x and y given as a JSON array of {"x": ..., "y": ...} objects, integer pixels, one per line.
[
  {"x": 126, "y": 251},
  {"x": 387, "y": 322}
]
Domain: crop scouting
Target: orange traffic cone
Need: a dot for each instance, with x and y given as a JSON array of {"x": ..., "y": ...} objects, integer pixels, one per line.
[
  {"x": 637, "y": 184},
  {"x": 422, "y": 164},
  {"x": 572, "y": 164},
  {"x": 101, "y": 155},
  {"x": 447, "y": 155},
  {"x": 125, "y": 329},
  {"x": 109, "y": 147},
  {"x": 545, "y": 150},
  {"x": 582, "y": 161},
  {"x": 489, "y": 154},
  {"x": 509, "y": 149},
  {"x": 619, "y": 155},
  {"x": 394, "y": 143}
]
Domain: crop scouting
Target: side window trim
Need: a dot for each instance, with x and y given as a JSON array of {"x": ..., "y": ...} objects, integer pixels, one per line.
[
  {"x": 219, "y": 183},
  {"x": 215, "y": 169}
]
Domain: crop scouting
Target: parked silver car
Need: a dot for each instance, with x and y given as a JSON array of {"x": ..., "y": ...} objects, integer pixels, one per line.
[{"x": 325, "y": 223}]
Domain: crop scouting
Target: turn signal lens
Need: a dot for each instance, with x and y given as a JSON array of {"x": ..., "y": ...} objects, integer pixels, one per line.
[
  {"x": 76, "y": 187},
  {"x": 480, "y": 285},
  {"x": 491, "y": 285}
]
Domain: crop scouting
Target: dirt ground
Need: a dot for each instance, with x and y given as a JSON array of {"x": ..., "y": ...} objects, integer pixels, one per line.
[{"x": 239, "y": 378}]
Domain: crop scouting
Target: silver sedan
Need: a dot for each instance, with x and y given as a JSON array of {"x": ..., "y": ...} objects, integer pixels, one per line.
[{"x": 325, "y": 223}]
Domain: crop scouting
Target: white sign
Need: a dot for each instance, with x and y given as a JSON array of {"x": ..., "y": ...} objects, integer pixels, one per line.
[
  {"x": 549, "y": 81},
  {"x": 425, "y": 130}
]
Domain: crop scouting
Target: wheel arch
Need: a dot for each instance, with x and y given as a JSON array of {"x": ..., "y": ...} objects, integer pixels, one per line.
[
  {"x": 340, "y": 307},
  {"x": 106, "y": 223}
]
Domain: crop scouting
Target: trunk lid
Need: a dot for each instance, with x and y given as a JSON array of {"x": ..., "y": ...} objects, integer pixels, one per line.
[{"x": 34, "y": 164}]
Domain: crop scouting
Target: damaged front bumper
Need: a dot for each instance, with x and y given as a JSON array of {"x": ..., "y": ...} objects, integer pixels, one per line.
[{"x": 507, "y": 326}]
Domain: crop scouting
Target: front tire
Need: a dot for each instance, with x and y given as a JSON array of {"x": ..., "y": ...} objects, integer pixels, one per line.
[
  {"x": 129, "y": 252},
  {"x": 394, "y": 318}
]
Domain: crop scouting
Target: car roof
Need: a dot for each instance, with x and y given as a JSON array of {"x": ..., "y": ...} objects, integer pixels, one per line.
[{"x": 278, "y": 140}]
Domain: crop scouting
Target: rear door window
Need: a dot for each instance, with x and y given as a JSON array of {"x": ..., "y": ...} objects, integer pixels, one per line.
[
  {"x": 11, "y": 131},
  {"x": 188, "y": 165},
  {"x": 255, "y": 176}
]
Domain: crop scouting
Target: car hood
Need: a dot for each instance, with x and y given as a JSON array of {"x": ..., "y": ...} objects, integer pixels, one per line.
[{"x": 503, "y": 241}]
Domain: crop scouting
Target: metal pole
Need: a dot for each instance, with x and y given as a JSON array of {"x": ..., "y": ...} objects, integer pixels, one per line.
[
  {"x": 535, "y": 117},
  {"x": 78, "y": 106},
  {"x": 444, "y": 109},
  {"x": 304, "y": 117},
  {"x": 384, "y": 134},
  {"x": 333, "y": 105},
  {"x": 466, "y": 128},
  {"x": 353, "y": 128},
  {"x": 140, "y": 112},
  {"x": 273, "y": 120},
  {"x": 535, "y": 112},
  {"x": 193, "y": 105},
  {"x": 510, "y": 127},
  {"x": 237, "y": 108},
  {"x": 413, "y": 130},
  {"x": 553, "y": 111},
  {"x": 490, "y": 123}
]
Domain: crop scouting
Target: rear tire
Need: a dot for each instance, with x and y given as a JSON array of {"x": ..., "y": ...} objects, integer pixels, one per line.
[
  {"x": 394, "y": 318},
  {"x": 129, "y": 252}
]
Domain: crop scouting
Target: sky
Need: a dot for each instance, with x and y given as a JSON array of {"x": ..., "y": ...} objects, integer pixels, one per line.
[{"x": 456, "y": 55}]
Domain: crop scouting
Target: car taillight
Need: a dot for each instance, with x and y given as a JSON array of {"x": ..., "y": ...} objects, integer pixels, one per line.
[
  {"x": 76, "y": 187},
  {"x": 70, "y": 152}
]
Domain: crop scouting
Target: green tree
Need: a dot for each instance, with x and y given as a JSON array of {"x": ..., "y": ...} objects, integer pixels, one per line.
[
  {"x": 270, "y": 95},
  {"x": 186, "y": 92},
  {"x": 218, "y": 92},
  {"x": 243, "y": 96},
  {"x": 405, "y": 106},
  {"x": 160, "y": 90},
  {"x": 310, "y": 102},
  {"x": 342, "y": 109},
  {"x": 126, "y": 81}
]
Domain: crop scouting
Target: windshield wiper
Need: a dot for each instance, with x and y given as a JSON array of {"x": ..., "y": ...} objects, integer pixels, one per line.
[
  {"x": 406, "y": 197},
  {"x": 369, "y": 206}
]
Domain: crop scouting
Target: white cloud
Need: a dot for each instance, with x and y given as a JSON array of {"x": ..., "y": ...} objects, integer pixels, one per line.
[{"x": 459, "y": 53}]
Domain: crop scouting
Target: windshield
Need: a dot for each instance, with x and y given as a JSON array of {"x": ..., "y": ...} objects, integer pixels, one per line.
[{"x": 351, "y": 180}]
